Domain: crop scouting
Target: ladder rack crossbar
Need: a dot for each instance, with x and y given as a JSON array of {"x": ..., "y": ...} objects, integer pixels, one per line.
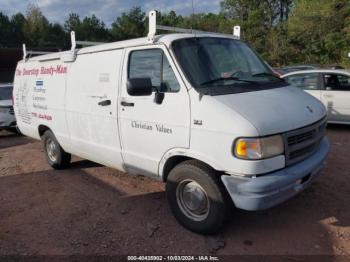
[
  {"x": 174, "y": 29},
  {"x": 88, "y": 43},
  {"x": 189, "y": 31},
  {"x": 29, "y": 52}
]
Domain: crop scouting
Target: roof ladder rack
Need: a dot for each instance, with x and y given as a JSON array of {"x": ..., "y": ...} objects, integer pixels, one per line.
[
  {"x": 30, "y": 52},
  {"x": 71, "y": 55},
  {"x": 152, "y": 28},
  {"x": 83, "y": 43}
]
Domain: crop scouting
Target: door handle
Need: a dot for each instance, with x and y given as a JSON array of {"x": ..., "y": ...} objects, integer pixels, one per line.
[
  {"x": 104, "y": 103},
  {"x": 124, "y": 103}
]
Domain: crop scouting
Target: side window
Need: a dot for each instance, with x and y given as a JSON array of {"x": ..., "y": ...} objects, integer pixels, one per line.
[
  {"x": 304, "y": 81},
  {"x": 152, "y": 63},
  {"x": 146, "y": 63},
  {"x": 337, "y": 82},
  {"x": 344, "y": 82}
]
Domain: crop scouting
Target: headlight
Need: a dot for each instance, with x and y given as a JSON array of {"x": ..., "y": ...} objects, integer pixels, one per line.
[{"x": 259, "y": 148}]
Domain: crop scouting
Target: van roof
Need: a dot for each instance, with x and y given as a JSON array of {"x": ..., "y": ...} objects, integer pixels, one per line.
[{"x": 159, "y": 39}]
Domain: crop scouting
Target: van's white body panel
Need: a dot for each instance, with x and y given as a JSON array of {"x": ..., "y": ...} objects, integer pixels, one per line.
[
  {"x": 94, "y": 77},
  {"x": 264, "y": 117},
  {"x": 64, "y": 97}
]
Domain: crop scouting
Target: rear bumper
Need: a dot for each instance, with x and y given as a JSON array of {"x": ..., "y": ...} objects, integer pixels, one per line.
[{"x": 274, "y": 188}]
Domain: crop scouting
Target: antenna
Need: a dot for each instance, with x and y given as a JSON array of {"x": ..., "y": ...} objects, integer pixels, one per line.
[
  {"x": 192, "y": 16},
  {"x": 192, "y": 20}
]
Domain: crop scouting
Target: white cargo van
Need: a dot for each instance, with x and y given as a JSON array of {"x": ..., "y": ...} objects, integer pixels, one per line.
[{"x": 201, "y": 112}]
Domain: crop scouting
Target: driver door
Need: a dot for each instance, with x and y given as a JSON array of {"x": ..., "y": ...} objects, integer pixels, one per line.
[{"x": 149, "y": 128}]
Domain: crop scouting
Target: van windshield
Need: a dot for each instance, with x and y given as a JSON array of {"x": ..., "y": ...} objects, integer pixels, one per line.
[{"x": 218, "y": 66}]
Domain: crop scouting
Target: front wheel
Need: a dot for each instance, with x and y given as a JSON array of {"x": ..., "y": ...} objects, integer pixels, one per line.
[
  {"x": 196, "y": 197},
  {"x": 55, "y": 155}
]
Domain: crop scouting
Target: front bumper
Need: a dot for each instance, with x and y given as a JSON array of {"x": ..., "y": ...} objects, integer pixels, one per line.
[{"x": 269, "y": 190}]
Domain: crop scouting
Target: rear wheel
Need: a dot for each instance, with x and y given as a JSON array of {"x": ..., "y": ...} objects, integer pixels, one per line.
[
  {"x": 196, "y": 197},
  {"x": 55, "y": 155}
]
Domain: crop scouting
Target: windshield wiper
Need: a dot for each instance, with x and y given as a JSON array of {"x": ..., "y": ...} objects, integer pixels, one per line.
[
  {"x": 226, "y": 78},
  {"x": 267, "y": 74}
]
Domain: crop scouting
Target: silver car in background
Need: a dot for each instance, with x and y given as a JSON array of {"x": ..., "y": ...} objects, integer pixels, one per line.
[
  {"x": 332, "y": 87},
  {"x": 7, "y": 115}
]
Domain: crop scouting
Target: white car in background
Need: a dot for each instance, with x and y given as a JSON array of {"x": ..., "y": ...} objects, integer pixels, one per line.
[
  {"x": 7, "y": 115},
  {"x": 332, "y": 87}
]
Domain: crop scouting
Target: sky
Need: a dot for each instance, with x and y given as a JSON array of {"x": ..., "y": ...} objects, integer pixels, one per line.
[{"x": 106, "y": 10}]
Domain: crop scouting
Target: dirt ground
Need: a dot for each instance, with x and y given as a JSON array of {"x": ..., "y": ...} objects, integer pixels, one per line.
[{"x": 90, "y": 209}]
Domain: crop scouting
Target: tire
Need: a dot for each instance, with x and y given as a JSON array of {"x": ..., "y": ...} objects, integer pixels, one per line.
[
  {"x": 18, "y": 131},
  {"x": 206, "y": 212},
  {"x": 55, "y": 155},
  {"x": 13, "y": 130}
]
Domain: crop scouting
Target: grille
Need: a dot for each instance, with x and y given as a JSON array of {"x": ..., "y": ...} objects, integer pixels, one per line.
[
  {"x": 301, "y": 143},
  {"x": 11, "y": 111},
  {"x": 293, "y": 140}
]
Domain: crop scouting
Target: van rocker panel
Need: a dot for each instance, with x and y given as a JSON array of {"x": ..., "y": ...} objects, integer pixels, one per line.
[{"x": 269, "y": 190}]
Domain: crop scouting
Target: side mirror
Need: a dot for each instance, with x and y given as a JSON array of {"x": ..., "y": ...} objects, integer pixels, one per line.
[{"x": 139, "y": 86}]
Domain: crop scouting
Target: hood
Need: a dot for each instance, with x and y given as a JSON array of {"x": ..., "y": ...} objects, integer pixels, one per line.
[{"x": 276, "y": 110}]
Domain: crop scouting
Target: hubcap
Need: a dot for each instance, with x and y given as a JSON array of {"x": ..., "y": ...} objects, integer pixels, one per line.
[
  {"x": 192, "y": 200},
  {"x": 51, "y": 150}
]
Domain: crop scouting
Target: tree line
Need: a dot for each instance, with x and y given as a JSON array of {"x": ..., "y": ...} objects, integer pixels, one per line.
[{"x": 282, "y": 31}]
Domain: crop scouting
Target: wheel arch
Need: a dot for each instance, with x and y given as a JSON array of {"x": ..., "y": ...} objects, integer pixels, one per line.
[
  {"x": 42, "y": 129},
  {"x": 173, "y": 158}
]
